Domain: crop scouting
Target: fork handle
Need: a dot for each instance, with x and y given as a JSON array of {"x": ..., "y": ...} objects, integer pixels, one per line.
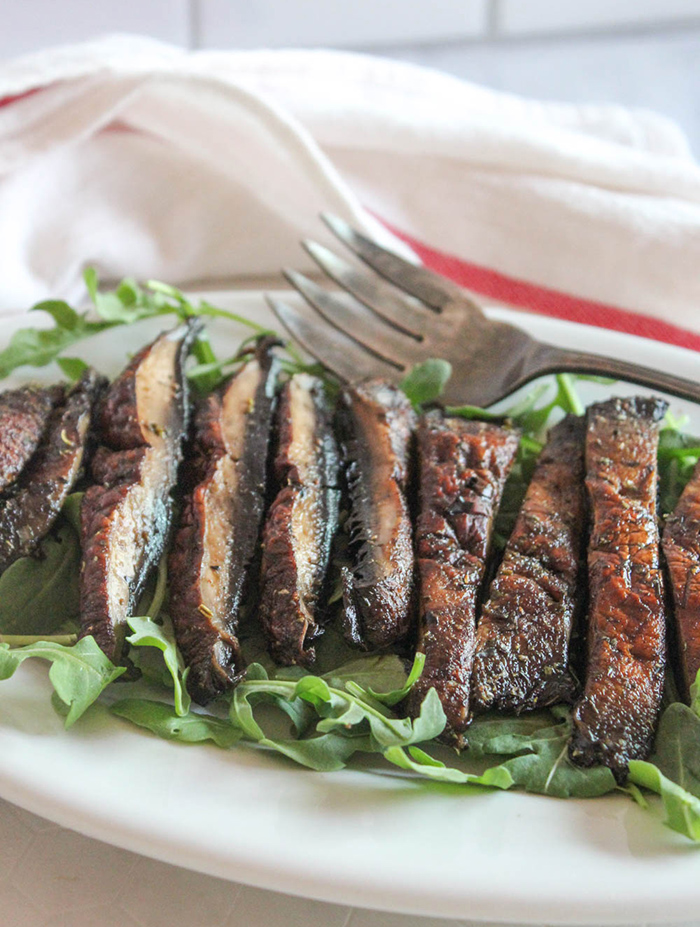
[{"x": 551, "y": 359}]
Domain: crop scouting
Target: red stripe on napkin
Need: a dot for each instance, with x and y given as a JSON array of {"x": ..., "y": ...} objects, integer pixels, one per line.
[
  {"x": 549, "y": 302},
  {"x": 8, "y": 101}
]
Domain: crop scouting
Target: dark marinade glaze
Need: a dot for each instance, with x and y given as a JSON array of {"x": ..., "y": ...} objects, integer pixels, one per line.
[
  {"x": 126, "y": 515},
  {"x": 522, "y": 647},
  {"x": 681, "y": 546},
  {"x": 218, "y": 535},
  {"x": 300, "y": 524},
  {"x": 616, "y": 717},
  {"x": 29, "y": 507},
  {"x": 24, "y": 417},
  {"x": 463, "y": 466},
  {"x": 377, "y": 423}
]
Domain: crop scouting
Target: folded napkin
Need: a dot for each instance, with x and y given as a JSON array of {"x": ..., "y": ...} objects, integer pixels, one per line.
[{"x": 145, "y": 160}]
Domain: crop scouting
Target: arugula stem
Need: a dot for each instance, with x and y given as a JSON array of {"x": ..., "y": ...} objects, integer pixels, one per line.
[
  {"x": 282, "y": 687},
  {"x": 568, "y": 392},
  {"x": 24, "y": 640},
  {"x": 206, "y": 308},
  {"x": 156, "y": 602}
]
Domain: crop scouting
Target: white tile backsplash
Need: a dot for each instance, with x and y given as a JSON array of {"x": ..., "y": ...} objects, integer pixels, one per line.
[
  {"x": 519, "y": 17},
  {"x": 29, "y": 25},
  {"x": 251, "y": 23}
]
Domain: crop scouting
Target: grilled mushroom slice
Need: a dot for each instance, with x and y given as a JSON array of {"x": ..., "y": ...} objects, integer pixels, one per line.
[
  {"x": 219, "y": 530},
  {"x": 24, "y": 417},
  {"x": 31, "y": 505},
  {"x": 378, "y": 422},
  {"x": 522, "y": 649},
  {"x": 681, "y": 545},
  {"x": 463, "y": 466},
  {"x": 615, "y": 719},
  {"x": 301, "y": 522},
  {"x": 126, "y": 516}
]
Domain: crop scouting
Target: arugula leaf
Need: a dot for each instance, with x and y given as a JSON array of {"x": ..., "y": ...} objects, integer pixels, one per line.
[
  {"x": 678, "y": 456},
  {"x": 695, "y": 695},
  {"x": 526, "y": 413},
  {"x": 160, "y": 719},
  {"x": 146, "y": 633},
  {"x": 426, "y": 381},
  {"x": 78, "y": 673},
  {"x": 538, "y": 753},
  {"x": 126, "y": 304},
  {"x": 374, "y": 672},
  {"x": 396, "y": 695},
  {"x": 37, "y": 347},
  {"x": 517, "y": 413},
  {"x": 347, "y": 721},
  {"x": 677, "y": 747},
  {"x": 40, "y": 594},
  {"x": 681, "y": 808},
  {"x": 73, "y": 367},
  {"x": 514, "y": 491},
  {"x": 71, "y": 510},
  {"x": 345, "y": 710},
  {"x": 416, "y": 760}
]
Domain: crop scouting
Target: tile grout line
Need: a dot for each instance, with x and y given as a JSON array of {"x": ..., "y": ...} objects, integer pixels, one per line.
[
  {"x": 194, "y": 26},
  {"x": 493, "y": 18}
]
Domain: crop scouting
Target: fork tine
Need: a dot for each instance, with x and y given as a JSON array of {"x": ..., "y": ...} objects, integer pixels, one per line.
[
  {"x": 333, "y": 349},
  {"x": 359, "y": 323},
  {"x": 425, "y": 285},
  {"x": 381, "y": 298}
]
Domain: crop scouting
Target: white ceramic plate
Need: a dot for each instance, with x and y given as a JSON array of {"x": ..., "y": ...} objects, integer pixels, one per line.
[{"x": 368, "y": 838}]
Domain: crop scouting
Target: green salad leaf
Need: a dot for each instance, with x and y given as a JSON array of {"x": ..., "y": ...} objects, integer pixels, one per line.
[
  {"x": 418, "y": 761},
  {"x": 345, "y": 722},
  {"x": 538, "y": 751},
  {"x": 72, "y": 367},
  {"x": 79, "y": 673},
  {"x": 695, "y": 695},
  {"x": 148, "y": 633},
  {"x": 426, "y": 382},
  {"x": 129, "y": 302},
  {"x": 38, "y": 595},
  {"x": 37, "y": 347},
  {"x": 677, "y": 747},
  {"x": 161, "y": 719},
  {"x": 529, "y": 413},
  {"x": 678, "y": 456},
  {"x": 386, "y": 670},
  {"x": 682, "y": 809}
]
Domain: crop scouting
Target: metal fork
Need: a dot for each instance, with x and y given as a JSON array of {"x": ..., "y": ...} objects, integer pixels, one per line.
[{"x": 382, "y": 329}]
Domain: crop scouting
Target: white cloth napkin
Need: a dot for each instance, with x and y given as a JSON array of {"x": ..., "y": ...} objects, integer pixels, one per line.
[{"x": 148, "y": 161}]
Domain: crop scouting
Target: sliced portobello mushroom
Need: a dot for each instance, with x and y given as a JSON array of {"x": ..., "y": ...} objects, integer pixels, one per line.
[
  {"x": 126, "y": 516},
  {"x": 217, "y": 539},
  {"x": 24, "y": 418},
  {"x": 463, "y": 467},
  {"x": 681, "y": 546},
  {"x": 32, "y": 503},
  {"x": 522, "y": 642},
  {"x": 300, "y": 524},
  {"x": 616, "y": 717},
  {"x": 377, "y": 423}
]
